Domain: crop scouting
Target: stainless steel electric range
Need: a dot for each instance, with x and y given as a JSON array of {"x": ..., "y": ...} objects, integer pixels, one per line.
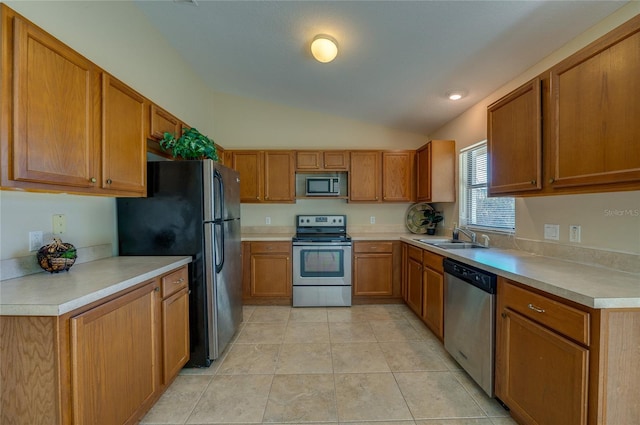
[{"x": 321, "y": 261}]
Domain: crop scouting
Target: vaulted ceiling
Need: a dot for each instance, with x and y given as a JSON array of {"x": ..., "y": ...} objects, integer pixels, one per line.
[{"x": 396, "y": 61}]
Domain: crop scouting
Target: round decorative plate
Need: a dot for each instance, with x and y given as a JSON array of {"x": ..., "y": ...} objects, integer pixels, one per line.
[{"x": 415, "y": 217}]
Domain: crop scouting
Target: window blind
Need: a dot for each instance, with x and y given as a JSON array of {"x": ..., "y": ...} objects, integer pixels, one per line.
[{"x": 476, "y": 208}]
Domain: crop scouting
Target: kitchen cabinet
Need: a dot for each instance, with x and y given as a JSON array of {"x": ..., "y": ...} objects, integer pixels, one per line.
[
  {"x": 113, "y": 357},
  {"x": 376, "y": 271},
  {"x": 161, "y": 122},
  {"x": 175, "y": 323},
  {"x": 433, "y": 293},
  {"x": 270, "y": 273},
  {"x": 398, "y": 176},
  {"x": 514, "y": 141},
  {"x": 106, "y": 362},
  {"x": 125, "y": 127},
  {"x": 435, "y": 172},
  {"x": 593, "y": 116},
  {"x": 50, "y": 110},
  {"x": 559, "y": 362},
  {"x": 307, "y": 161},
  {"x": 67, "y": 126},
  {"x": 364, "y": 176},
  {"x": 265, "y": 176},
  {"x": 414, "y": 296}
]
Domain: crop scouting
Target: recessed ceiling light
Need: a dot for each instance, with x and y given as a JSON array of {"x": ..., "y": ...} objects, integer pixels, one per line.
[
  {"x": 324, "y": 48},
  {"x": 456, "y": 94}
]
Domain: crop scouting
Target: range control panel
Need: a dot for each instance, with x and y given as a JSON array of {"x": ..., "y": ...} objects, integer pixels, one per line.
[{"x": 321, "y": 221}]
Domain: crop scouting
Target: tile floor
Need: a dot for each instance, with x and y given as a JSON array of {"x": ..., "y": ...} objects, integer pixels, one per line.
[{"x": 361, "y": 364}]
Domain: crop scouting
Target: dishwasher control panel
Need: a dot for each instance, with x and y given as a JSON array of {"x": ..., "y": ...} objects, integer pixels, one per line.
[{"x": 480, "y": 278}]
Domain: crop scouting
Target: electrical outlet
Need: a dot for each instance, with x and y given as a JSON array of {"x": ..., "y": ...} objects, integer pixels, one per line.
[
  {"x": 267, "y": 220},
  {"x": 552, "y": 231},
  {"x": 574, "y": 233},
  {"x": 35, "y": 240},
  {"x": 59, "y": 224},
  {"x": 372, "y": 219}
]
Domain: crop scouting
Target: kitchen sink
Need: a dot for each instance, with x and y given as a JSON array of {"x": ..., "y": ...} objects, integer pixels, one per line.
[{"x": 451, "y": 244}]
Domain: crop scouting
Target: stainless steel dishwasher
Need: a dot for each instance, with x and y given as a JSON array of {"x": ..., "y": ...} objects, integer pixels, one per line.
[{"x": 469, "y": 320}]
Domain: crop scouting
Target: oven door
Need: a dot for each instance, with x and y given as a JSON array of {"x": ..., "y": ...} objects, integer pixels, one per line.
[{"x": 322, "y": 264}]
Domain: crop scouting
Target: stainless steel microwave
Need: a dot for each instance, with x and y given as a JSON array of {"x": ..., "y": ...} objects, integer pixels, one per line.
[{"x": 323, "y": 186}]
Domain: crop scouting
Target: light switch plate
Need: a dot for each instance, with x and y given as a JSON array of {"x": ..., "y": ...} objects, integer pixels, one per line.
[
  {"x": 552, "y": 232},
  {"x": 574, "y": 233}
]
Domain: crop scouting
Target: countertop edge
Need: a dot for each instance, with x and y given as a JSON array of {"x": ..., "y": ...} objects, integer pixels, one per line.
[{"x": 86, "y": 299}]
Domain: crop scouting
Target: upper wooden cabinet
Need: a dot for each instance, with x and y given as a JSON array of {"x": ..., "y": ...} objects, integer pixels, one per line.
[
  {"x": 574, "y": 129},
  {"x": 67, "y": 126},
  {"x": 160, "y": 122},
  {"x": 398, "y": 176},
  {"x": 514, "y": 141},
  {"x": 435, "y": 172},
  {"x": 50, "y": 110},
  {"x": 322, "y": 161},
  {"x": 595, "y": 109},
  {"x": 265, "y": 176},
  {"x": 125, "y": 117},
  {"x": 364, "y": 178}
]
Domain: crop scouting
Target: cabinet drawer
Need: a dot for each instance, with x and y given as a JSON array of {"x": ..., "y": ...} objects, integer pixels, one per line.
[
  {"x": 414, "y": 253},
  {"x": 562, "y": 318},
  {"x": 175, "y": 281},
  {"x": 270, "y": 247},
  {"x": 433, "y": 261},
  {"x": 373, "y": 247}
]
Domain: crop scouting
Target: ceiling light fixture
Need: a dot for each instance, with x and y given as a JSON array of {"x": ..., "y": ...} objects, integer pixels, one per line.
[
  {"x": 456, "y": 94},
  {"x": 324, "y": 48}
]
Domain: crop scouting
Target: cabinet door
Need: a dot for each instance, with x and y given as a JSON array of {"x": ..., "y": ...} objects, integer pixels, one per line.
[
  {"x": 162, "y": 122},
  {"x": 541, "y": 376},
  {"x": 113, "y": 355},
  {"x": 308, "y": 160},
  {"x": 514, "y": 143},
  {"x": 373, "y": 274},
  {"x": 398, "y": 175},
  {"x": 414, "y": 286},
  {"x": 364, "y": 178},
  {"x": 336, "y": 160},
  {"x": 433, "y": 301},
  {"x": 270, "y": 274},
  {"x": 175, "y": 334},
  {"x": 279, "y": 176},
  {"x": 124, "y": 135},
  {"x": 594, "y": 111},
  {"x": 55, "y": 121},
  {"x": 249, "y": 165},
  {"x": 435, "y": 172}
]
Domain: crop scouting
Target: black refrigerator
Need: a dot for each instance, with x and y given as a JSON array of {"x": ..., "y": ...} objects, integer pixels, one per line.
[{"x": 193, "y": 208}]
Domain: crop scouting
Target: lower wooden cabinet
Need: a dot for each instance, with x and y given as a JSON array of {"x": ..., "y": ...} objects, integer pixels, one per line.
[
  {"x": 269, "y": 280},
  {"x": 376, "y": 271},
  {"x": 562, "y": 363},
  {"x": 106, "y": 363},
  {"x": 413, "y": 271},
  {"x": 113, "y": 358}
]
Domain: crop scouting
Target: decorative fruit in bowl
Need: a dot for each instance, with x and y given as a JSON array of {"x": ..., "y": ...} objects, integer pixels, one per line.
[{"x": 57, "y": 256}]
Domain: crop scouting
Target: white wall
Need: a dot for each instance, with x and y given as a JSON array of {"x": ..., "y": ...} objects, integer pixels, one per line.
[{"x": 602, "y": 227}]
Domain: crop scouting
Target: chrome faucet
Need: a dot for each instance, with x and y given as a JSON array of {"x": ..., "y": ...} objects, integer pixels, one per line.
[{"x": 456, "y": 234}]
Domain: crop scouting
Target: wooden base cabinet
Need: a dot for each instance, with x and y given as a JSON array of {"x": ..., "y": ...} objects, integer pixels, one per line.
[
  {"x": 376, "y": 272},
  {"x": 562, "y": 363},
  {"x": 102, "y": 364},
  {"x": 413, "y": 270},
  {"x": 269, "y": 280}
]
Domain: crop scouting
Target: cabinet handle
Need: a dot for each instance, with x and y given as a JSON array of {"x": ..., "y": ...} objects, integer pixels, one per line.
[
  {"x": 551, "y": 180},
  {"x": 533, "y": 182},
  {"x": 536, "y": 309},
  {"x": 93, "y": 180},
  {"x": 109, "y": 181},
  {"x": 156, "y": 289},
  {"x": 504, "y": 315},
  {"x": 179, "y": 281}
]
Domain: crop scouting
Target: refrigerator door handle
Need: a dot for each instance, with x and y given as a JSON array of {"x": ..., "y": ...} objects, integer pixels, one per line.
[
  {"x": 220, "y": 250},
  {"x": 219, "y": 202}
]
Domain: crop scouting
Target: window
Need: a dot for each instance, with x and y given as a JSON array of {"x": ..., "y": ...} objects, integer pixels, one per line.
[{"x": 476, "y": 209}]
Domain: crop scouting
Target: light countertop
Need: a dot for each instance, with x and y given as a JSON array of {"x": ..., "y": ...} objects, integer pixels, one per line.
[
  {"x": 54, "y": 294},
  {"x": 591, "y": 286}
]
